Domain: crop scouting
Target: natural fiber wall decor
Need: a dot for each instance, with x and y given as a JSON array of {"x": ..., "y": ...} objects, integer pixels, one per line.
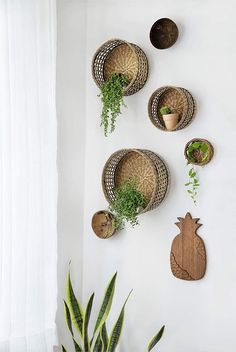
[
  {"x": 103, "y": 224},
  {"x": 144, "y": 167},
  {"x": 188, "y": 254},
  {"x": 164, "y": 33},
  {"x": 119, "y": 56},
  {"x": 177, "y": 100}
]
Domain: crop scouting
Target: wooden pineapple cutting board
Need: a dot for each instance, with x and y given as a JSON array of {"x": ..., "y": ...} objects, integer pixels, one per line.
[{"x": 188, "y": 254}]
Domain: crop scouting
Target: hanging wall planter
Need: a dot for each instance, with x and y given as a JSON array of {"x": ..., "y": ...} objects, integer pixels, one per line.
[
  {"x": 145, "y": 168},
  {"x": 197, "y": 152},
  {"x": 178, "y": 101},
  {"x": 164, "y": 33},
  {"x": 119, "y": 69}
]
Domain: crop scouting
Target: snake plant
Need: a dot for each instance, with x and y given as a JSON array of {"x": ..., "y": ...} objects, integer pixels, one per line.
[{"x": 77, "y": 320}]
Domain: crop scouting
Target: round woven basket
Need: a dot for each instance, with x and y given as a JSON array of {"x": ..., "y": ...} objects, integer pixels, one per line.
[
  {"x": 145, "y": 167},
  {"x": 103, "y": 224},
  {"x": 178, "y": 99},
  {"x": 211, "y": 151},
  {"x": 119, "y": 56}
]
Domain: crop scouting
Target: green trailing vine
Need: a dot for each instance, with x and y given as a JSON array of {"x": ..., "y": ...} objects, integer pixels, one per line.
[
  {"x": 197, "y": 152},
  {"x": 127, "y": 204},
  {"x": 112, "y": 94}
]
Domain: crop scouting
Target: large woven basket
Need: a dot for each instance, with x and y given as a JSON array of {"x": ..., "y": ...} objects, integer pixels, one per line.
[
  {"x": 210, "y": 148},
  {"x": 178, "y": 99},
  {"x": 143, "y": 166},
  {"x": 119, "y": 56}
]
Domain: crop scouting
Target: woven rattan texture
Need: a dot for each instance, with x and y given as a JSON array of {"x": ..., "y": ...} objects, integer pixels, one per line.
[
  {"x": 143, "y": 166},
  {"x": 178, "y": 99},
  {"x": 211, "y": 151},
  {"x": 118, "y": 56}
]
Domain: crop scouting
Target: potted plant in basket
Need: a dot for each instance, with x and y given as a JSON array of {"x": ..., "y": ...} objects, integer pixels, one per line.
[
  {"x": 112, "y": 97},
  {"x": 170, "y": 119},
  {"x": 77, "y": 321},
  {"x": 198, "y": 152},
  {"x": 128, "y": 203}
]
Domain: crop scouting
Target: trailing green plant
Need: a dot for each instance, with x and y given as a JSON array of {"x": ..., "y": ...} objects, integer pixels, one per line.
[
  {"x": 197, "y": 152},
  {"x": 77, "y": 321},
  {"x": 129, "y": 201},
  {"x": 192, "y": 184},
  {"x": 112, "y": 94},
  {"x": 165, "y": 110}
]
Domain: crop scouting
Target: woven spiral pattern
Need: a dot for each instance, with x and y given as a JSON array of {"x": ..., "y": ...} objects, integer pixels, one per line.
[
  {"x": 118, "y": 56},
  {"x": 178, "y": 99},
  {"x": 211, "y": 151},
  {"x": 144, "y": 166}
]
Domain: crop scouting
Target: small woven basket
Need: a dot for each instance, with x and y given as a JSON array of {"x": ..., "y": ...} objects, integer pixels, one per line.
[
  {"x": 178, "y": 99},
  {"x": 145, "y": 167},
  {"x": 119, "y": 56},
  {"x": 210, "y": 148}
]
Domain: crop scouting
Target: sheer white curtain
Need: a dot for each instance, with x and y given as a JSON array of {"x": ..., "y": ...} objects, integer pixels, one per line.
[{"x": 28, "y": 176}]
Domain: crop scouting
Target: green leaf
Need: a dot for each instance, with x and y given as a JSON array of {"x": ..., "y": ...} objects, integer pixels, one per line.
[
  {"x": 68, "y": 318},
  {"x": 77, "y": 346},
  {"x": 86, "y": 322},
  {"x": 98, "y": 344},
  {"x": 63, "y": 349},
  {"x": 104, "y": 337},
  {"x": 156, "y": 339},
  {"x": 106, "y": 304},
  {"x": 117, "y": 329},
  {"x": 76, "y": 312}
]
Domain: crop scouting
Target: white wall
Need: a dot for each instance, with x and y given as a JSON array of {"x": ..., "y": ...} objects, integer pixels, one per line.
[
  {"x": 71, "y": 146},
  {"x": 199, "y": 316}
]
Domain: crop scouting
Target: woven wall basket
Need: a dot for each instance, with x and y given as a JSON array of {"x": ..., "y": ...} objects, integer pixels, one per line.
[
  {"x": 178, "y": 99},
  {"x": 118, "y": 56},
  {"x": 211, "y": 151},
  {"x": 144, "y": 166}
]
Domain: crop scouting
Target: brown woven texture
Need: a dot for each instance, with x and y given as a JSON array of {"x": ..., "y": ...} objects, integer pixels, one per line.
[
  {"x": 118, "y": 56},
  {"x": 143, "y": 166},
  {"x": 178, "y": 99},
  {"x": 211, "y": 151}
]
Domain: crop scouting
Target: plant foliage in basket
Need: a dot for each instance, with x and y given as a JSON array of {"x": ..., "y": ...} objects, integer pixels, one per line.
[
  {"x": 112, "y": 97},
  {"x": 127, "y": 204},
  {"x": 77, "y": 321}
]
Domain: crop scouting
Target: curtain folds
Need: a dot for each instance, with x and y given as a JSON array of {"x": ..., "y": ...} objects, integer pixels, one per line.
[{"x": 28, "y": 176}]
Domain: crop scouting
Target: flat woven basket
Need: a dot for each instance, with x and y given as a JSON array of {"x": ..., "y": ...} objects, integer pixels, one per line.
[
  {"x": 119, "y": 56},
  {"x": 178, "y": 99},
  {"x": 143, "y": 166},
  {"x": 211, "y": 151}
]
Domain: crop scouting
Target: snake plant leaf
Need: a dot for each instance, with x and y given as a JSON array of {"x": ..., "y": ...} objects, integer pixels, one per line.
[
  {"x": 77, "y": 346},
  {"x": 68, "y": 318},
  {"x": 63, "y": 349},
  {"x": 156, "y": 339},
  {"x": 76, "y": 312},
  {"x": 98, "y": 344},
  {"x": 106, "y": 304},
  {"x": 117, "y": 329},
  {"x": 86, "y": 322},
  {"x": 104, "y": 337}
]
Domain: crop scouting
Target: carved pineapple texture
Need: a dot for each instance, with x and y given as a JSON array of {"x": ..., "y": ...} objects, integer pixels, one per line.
[{"x": 188, "y": 254}]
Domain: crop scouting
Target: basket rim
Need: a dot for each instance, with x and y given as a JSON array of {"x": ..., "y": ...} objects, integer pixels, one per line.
[
  {"x": 142, "y": 153},
  {"x": 211, "y": 151},
  {"x": 165, "y": 89},
  {"x": 131, "y": 46}
]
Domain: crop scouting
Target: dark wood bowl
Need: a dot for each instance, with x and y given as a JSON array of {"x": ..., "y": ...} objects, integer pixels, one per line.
[{"x": 164, "y": 33}]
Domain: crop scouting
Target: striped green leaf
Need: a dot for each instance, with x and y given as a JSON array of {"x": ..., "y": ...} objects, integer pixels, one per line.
[
  {"x": 98, "y": 344},
  {"x": 86, "y": 322},
  {"x": 104, "y": 337},
  {"x": 68, "y": 318},
  {"x": 117, "y": 329},
  {"x": 156, "y": 338},
  {"x": 106, "y": 304},
  {"x": 77, "y": 346},
  {"x": 63, "y": 349},
  {"x": 76, "y": 312}
]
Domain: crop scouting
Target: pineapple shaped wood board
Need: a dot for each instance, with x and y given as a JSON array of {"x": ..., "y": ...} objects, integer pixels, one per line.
[{"x": 188, "y": 254}]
